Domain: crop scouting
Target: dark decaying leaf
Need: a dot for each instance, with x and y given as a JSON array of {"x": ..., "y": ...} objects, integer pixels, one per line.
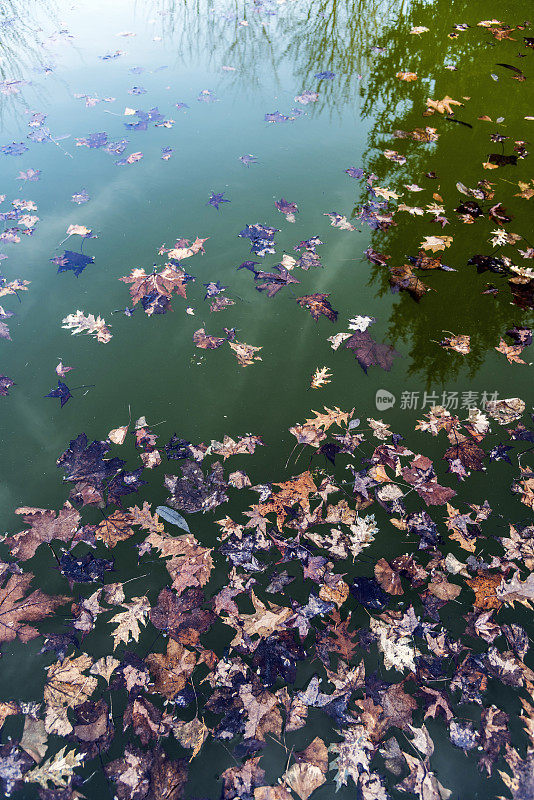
[{"x": 369, "y": 352}]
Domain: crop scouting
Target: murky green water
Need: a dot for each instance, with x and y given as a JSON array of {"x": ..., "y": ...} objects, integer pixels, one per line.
[{"x": 254, "y": 59}]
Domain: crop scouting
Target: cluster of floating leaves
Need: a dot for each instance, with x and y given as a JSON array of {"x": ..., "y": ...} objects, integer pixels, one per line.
[{"x": 319, "y": 531}]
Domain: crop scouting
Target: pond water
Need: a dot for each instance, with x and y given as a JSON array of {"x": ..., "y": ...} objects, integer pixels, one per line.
[{"x": 261, "y": 102}]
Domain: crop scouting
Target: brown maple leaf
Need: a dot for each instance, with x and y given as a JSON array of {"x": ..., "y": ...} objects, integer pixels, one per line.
[
  {"x": 156, "y": 288},
  {"x": 181, "y": 616},
  {"x": 485, "y": 588},
  {"x": 403, "y": 279},
  {"x": 293, "y": 492},
  {"x": 16, "y": 610},
  {"x": 388, "y": 578},
  {"x": 171, "y": 670},
  {"x": 318, "y": 304},
  {"x": 470, "y": 455},
  {"x": 115, "y": 528},
  {"x": 45, "y": 527},
  {"x": 189, "y": 564}
]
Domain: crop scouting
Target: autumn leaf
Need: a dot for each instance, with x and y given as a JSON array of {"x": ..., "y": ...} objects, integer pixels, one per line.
[
  {"x": 485, "y": 589},
  {"x": 459, "y": 343},
  {"x": 435, "y": 243},
  {"x": 229, "y": 447},
  {"x": 118, "y": 435},
  {"x": 155, "y": 289},
  {"x": 191, "y": 735},
  {"x": 205, "y": 341},
  {"x": 45, "y": 526},
  {"x": 66, "y": 687},
  {"x": 293, "y": 492},
  {"x": 78, "y": 230},
  {"x": 128, "y": 623},
  {"x": 308, "y": 434},
  {"x": 57, "y": 770},
  {"x": 183, "y": 249},
  {"x": 396, "y": 646},
  {"x": 369, "y": 352},
  {"x": 321, "y": 377},
  {"x": 512, "y": 352},
  {"x": 12, "y": 287},
  {"x": 34, "y": 738},
  {"x": 443, "y": 106},
  {"x": 318, "y": 304},
  {"x": 94, "y": 326},
  {"x": 171, "y": 670},
  {"x": 387, "y": 577},
  {"x": 333, "y": 416},
  {"x": 403, "y": 279},
  {"x": 17, "y": 610},
  {"x": 526, "y": 189},
  {"x": 115, "y": 528},
  {"x": 189, "y": 563},
  {"x": 467, "y": 452},
  {"x": 245, "y": 353}
]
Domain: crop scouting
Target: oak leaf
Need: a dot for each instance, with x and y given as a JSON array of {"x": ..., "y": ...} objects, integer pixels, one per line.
[
  {"x": 58, "y": 769},
  {"x": 128, "y": 622},
  {"x": 443, "y": 106},
  {"x": 66, "y": 687},
  {"x": 82, "y": 323},
  {"x": 321, "y": 377}
]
